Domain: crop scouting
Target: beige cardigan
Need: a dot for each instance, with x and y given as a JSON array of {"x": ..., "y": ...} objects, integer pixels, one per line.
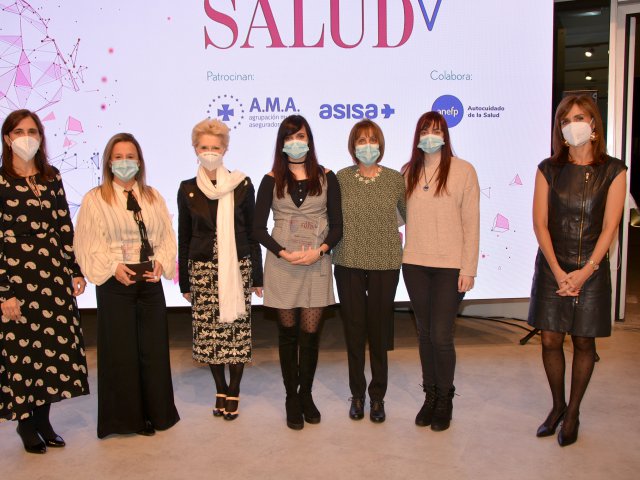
[{"x": 444, "y": 231}]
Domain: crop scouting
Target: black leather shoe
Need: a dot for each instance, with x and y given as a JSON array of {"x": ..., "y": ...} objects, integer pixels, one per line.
[
  {"x": 550, "y": 425},
  {"x": 55, "y": 442},
  {"x": 356, "y": 412},
  {"x": 568, "y": 437},
  {"x": 39, "y": 447},
  {"x": 148, "y": 430},
  {"x": 377, "y": 414}
]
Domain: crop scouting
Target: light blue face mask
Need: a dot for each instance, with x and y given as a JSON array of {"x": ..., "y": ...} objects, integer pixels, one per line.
[
  {"x": 368, "y": 154},
  {"x": 295, "y": 149},
  {"x": 124, "y": 170},
  {"x": 430, "y": 143}
]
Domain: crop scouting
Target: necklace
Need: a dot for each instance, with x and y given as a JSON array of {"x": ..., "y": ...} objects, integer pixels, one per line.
[
  {"x": 367, "y": 180},
  {"x": 424, "y": 173}
]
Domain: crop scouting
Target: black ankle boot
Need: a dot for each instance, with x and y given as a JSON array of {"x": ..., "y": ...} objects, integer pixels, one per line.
[
  {"x": 288, "y": 351},
  {"x": 443, "y": 409},
  {"x": 307, "y": 371},
  {"x": 425, "y": 415}
]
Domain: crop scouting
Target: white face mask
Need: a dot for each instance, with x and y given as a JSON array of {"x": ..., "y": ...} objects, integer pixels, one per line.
[
  {"x": 210, "y": 160},
  {"x": 25, "y": 147},
  {"x": 577, "y": 133}
]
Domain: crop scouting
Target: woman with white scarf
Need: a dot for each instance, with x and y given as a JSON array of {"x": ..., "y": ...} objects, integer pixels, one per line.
[{"x": 220, "y": 264}]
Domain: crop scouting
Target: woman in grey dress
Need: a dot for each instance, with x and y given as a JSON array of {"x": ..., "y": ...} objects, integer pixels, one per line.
[{"x": 305, "y": 200}]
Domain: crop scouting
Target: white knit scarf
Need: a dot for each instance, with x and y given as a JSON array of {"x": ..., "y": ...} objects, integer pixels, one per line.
[{"x": 230, "y": 289}]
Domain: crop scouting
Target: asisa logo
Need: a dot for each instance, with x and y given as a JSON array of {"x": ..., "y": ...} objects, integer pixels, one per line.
[
  {"x": 243, "y": 27},
  {"x": 356, "y": 111},
  {"x": 227, "y": 108}
]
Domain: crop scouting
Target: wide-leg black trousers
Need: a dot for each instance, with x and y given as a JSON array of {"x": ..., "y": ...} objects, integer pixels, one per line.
[{"x": 134, "y": 371}]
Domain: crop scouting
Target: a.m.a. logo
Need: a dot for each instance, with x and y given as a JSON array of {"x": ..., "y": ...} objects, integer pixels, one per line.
[
  {"x": 273, "y": 105},
  {"x": 227, "y": 108},
  {"x": 229, "y": 28}
]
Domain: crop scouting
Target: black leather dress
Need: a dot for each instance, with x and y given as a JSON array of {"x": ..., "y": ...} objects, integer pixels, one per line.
[{"x": 577, "y": 199}]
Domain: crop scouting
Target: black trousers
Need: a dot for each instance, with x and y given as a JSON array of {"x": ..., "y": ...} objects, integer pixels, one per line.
[
  {"x": 366, "y": 306},
  {"x": 435, "y": 299},
  {"x": 134, "y": 372}
]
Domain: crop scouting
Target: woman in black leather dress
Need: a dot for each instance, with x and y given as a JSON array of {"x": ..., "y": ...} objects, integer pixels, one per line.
[{"x": 577, "y": 205}]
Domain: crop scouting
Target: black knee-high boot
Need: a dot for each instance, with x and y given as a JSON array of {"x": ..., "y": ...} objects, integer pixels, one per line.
[
  {"x": 308, "y": 363},
  {"x": 288, "y": 350}
]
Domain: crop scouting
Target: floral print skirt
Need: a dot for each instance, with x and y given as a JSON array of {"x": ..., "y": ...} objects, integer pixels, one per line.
[{"x": 215, "y": 342}]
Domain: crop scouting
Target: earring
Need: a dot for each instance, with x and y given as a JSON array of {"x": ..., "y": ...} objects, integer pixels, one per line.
[
  {"x": 593, "y": 136},
  {"x": 566, "y": 144}
]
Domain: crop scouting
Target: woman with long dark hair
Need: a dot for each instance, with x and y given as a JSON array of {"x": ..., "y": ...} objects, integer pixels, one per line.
[
  {"x": 577, "y": 205},
  {"x": 440, "y": 256},
  {"x": 305, "y": 200},
  {"x": 125, "y": 243},
  {"x": 42, "y": 358}
]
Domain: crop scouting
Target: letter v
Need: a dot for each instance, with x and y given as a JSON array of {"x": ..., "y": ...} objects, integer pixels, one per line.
[{"x": 429, "y": 21}]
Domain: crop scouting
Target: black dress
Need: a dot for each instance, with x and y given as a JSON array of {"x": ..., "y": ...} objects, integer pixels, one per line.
[
  {"x": 577, "y": 200},
  {"x": 42, "y": 358}
]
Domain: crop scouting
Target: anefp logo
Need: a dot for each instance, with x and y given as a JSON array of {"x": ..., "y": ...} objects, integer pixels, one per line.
[{"x": 450, "y": 108}]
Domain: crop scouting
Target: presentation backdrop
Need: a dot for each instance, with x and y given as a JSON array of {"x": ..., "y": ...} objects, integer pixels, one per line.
[{"x": 92, "y": 69}]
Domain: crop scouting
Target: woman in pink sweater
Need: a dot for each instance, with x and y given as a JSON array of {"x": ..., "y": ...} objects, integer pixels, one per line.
[{"x": 440, "y": 256}]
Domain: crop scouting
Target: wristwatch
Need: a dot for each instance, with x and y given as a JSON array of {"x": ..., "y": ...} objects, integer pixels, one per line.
[{"x": 594, "y": 265}]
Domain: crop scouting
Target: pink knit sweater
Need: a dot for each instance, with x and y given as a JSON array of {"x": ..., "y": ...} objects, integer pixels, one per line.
[{"x": 444, "y": 231}]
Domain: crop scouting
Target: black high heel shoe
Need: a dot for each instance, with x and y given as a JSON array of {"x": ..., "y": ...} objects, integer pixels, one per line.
[
  {"x": 570, "y": 437},
  {"x": 549, "y": 427},
  {"x": 38, "y": 448},
  {"x": 228, "y": 414},
  {"x": 56, "y": 441},
  {"x": 218, "y": 410}
]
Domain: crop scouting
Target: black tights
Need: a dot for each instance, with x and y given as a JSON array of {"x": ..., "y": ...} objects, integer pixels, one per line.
[
  {"x": 37, "y": 423},
  {"x": 309, "y": 318},
  {"x": 584, "y": 354},
  {"x": 232, "y": 389}
]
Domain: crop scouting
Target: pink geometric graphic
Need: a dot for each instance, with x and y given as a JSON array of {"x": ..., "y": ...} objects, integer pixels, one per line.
[
  {"x": 516, "y": 180},
  {"x": 33, "y": 71},
  {"x": 74, "y": 126},
  {"x": 68, "y": 143},
  {"x": 500, "y": 224},
  {"x": 486, "y": 192},
  {"x": 49, "y": 117}
]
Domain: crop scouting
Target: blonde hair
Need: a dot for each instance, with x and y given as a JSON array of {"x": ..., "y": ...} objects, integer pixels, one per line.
[
  {"x": 106, "y": 187},
  {"x": 210, "y": 127}
]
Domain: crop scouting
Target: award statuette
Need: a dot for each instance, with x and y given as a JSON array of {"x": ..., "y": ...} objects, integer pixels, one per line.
[{"x": 302, "y": 233}]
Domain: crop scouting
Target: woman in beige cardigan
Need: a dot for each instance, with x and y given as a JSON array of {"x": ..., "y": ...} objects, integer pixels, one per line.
[{"x": 440, "y": 256}]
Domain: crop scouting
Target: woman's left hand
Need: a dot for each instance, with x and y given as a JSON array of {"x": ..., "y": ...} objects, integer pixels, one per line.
[
  {"x": 465, "y": 283},
  {"x": 154, "y": 277},
  {"x": 306, "y": 257},
  {"x": 574, "y": 281},
  {"x": 79, "y": 283},
  {"x": 257, "y": 291}
]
